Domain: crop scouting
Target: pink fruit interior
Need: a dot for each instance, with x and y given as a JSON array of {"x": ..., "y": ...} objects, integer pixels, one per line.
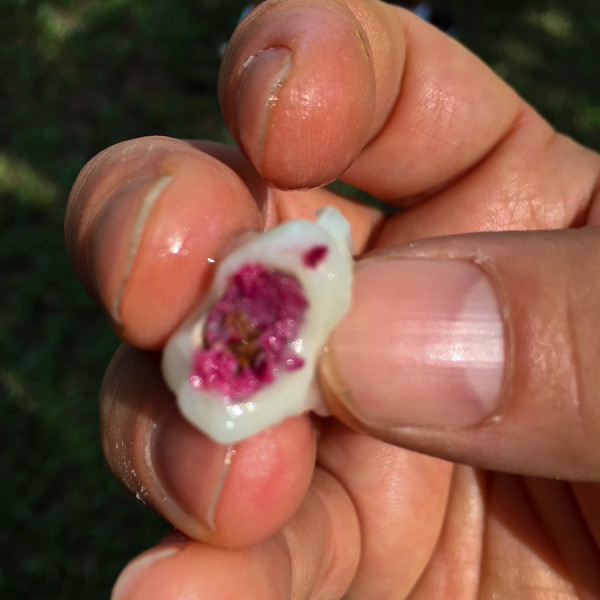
[
  {"x": 249, "y": 331},
  {"x": 314, "y": 256}
]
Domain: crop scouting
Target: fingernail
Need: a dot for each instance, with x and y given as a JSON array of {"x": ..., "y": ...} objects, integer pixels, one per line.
[
  {"x": 423, "y": 345},
  {"x": 190, "y": 467},
  {"x": 145, "y": 208},
  {"x": 258, "y": 95},
  {"x": 133, "y": 572},
  {"x": 132, "y": 204}
]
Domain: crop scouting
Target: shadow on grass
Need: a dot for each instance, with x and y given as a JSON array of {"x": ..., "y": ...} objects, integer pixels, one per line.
[{"x": 77, "y": 76}]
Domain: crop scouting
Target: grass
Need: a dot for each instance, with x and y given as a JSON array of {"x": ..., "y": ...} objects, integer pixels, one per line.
[{"x": 77, "y": 76}]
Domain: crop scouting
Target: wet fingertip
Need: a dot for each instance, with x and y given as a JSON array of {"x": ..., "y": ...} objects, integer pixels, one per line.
[{"x": 154, "y": 241}]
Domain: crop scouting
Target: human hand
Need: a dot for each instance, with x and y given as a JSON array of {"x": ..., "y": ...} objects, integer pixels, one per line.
[{"x": 477, "y": 348}]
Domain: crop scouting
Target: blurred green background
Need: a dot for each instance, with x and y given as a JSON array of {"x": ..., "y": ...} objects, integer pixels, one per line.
[{"x": 75, "y": 77}]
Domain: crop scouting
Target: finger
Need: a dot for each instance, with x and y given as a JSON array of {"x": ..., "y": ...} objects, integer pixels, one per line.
[
  {"x": 158, "y": 199},
  {"x": 533, "y": 527},
  {"x": 400, "y": 499},
  {"x": 480, "y": 348},
  {"x": 273, "y": 64},
  {"x": 316, "y": 557},
  {"x": 332, "y": 548},
  {"x": 193, "y": 570},
  {"x": 227, "y": 495},
  {"x": 534, "y": 179},
  {"x": 148, "y": 218},
  {"x": 308, "y": 88}
]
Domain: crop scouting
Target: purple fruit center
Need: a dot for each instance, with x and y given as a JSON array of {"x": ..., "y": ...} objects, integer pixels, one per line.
[
  {"x": 249, "y": 332},
  {"x": 314, "y": 256}
]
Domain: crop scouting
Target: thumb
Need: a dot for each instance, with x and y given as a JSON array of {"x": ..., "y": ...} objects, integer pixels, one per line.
[{"x": 481, "y": 348}]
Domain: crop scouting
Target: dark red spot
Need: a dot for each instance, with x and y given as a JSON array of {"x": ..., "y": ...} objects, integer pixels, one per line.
[
  {"x": 249, "y": 331},
  {"x": 313, "y": 256}
]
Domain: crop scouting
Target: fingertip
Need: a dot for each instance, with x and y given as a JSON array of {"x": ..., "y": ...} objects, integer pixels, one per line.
[
  {"x": 146, "y": 220},
  {"x": 289, "y": 93},
  {"x": 233, "y": 495},
  {"x": 230, "y": 496},
  {"x": 169, "y": 262}
]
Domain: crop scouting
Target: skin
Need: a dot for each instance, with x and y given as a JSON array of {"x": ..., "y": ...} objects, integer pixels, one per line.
[{"x": 506, "y": 507}]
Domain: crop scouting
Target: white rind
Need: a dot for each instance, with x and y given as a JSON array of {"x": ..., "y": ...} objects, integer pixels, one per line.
[{"x": 327, "y": 288}]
